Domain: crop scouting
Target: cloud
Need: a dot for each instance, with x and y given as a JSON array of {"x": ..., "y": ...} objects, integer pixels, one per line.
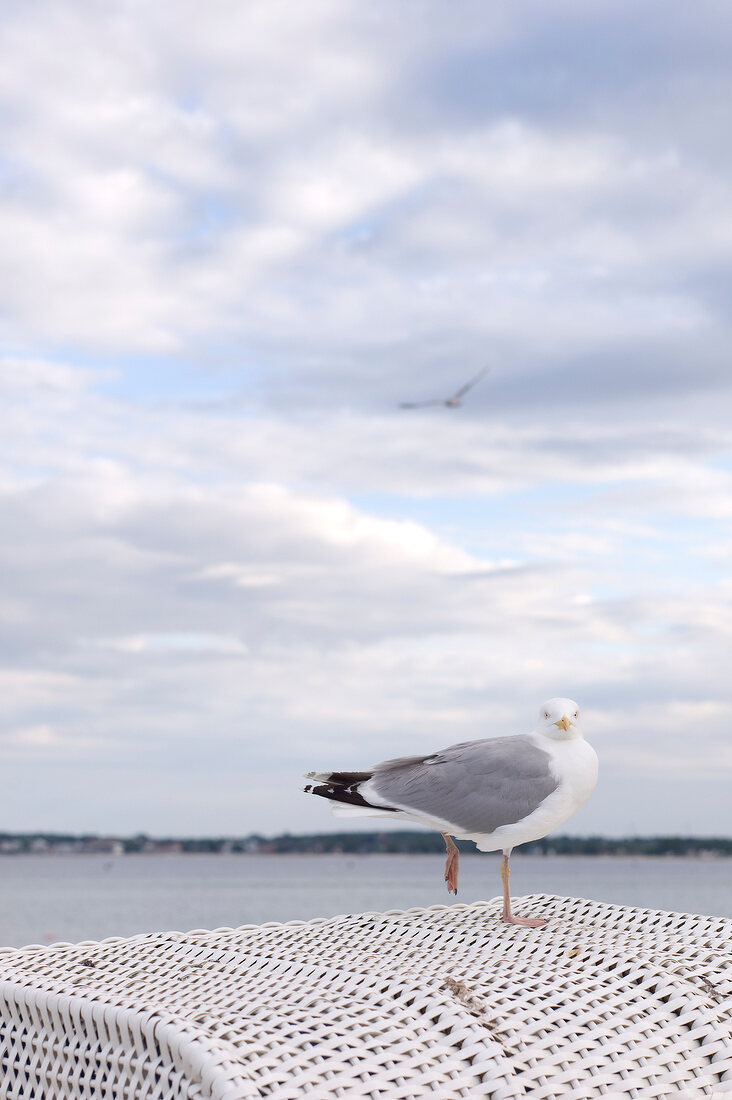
[
  {"x": 167, "y": 599},
  {"x": 253, "y": 179},
  {"x": 232, "y": 247}
]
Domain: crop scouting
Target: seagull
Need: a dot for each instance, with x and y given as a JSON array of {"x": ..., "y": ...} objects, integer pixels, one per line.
[
  {"x": 452, "y": 402},
  {"x": 498, "y": 792}
]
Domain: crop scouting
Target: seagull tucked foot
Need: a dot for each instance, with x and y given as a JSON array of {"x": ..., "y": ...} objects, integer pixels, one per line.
[
  {"x": 451, "y": 864},
  {"x": 507, "y": 916}
]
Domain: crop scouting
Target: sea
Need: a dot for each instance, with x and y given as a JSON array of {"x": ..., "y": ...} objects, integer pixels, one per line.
[{"x": 73, "y": 897}]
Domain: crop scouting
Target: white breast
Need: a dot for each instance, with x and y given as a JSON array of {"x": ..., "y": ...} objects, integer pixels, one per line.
[{"x": 574, "y": 764}]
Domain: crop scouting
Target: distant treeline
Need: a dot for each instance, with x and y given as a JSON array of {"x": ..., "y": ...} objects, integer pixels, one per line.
[
  {"x": 419, "y": 842},
  {"x": 403, "y": 842}
]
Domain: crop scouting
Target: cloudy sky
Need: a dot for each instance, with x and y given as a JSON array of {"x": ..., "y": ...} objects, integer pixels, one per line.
[{"x": 233, "y": 239}]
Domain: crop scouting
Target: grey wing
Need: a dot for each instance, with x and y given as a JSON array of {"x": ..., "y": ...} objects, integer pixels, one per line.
[
  {"x": 477, "y": 785},
  {"x": 469, "y": 385},
  {"x": 421, "y": 404}
]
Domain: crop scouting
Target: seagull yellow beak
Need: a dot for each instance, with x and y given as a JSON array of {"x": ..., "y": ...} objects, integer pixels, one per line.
[{"x": 563, "y": 722}]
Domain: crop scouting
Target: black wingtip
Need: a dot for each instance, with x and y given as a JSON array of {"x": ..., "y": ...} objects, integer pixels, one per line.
[{"x": 348, "y": 795}]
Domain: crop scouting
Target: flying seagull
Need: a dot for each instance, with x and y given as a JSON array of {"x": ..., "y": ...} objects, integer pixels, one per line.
[
  {"x": 497, "y": 792},
  {"x": 452, "y": 402}
]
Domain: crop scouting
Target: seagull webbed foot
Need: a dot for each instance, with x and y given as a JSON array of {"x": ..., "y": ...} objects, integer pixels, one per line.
[{"x": 525, "y": 922}]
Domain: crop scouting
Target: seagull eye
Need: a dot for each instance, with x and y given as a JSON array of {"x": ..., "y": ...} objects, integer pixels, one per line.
[
  {"x": 546, "y": 713},
  {"x": 576, "y": 714}
]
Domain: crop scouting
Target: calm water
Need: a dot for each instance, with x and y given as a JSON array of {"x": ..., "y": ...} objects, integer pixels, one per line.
[{"x": 77, "y": 897}]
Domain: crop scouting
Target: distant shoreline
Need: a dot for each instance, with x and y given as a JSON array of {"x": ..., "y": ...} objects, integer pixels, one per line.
[{"x": 404, "y": 842}]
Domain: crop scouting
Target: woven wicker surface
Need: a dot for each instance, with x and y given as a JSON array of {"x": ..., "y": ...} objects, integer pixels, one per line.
[{"x": 443, "y": 1002}]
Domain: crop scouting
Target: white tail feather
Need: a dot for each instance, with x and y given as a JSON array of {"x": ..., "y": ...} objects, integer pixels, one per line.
[{"x": 347, "y": 809}]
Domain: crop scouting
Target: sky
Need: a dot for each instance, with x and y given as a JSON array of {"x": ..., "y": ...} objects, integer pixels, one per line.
[{"x": 234, "y": 239}]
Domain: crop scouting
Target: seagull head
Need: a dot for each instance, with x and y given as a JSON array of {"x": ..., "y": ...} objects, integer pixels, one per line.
[{"x": 559, "y": 719}]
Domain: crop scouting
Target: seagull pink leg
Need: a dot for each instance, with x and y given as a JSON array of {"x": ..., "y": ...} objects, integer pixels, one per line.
[
  {"x": 451, "y": 864},
  {"x": 507, "y": 916}
]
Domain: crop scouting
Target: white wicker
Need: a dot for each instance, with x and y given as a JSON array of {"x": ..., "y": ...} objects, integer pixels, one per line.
[{"x": 444, "y": 1002}]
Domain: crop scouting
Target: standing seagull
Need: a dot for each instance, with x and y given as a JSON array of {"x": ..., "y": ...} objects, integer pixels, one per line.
[
  {"x": 450, "y": 402},
  {"x": 498, "y": 792}
]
